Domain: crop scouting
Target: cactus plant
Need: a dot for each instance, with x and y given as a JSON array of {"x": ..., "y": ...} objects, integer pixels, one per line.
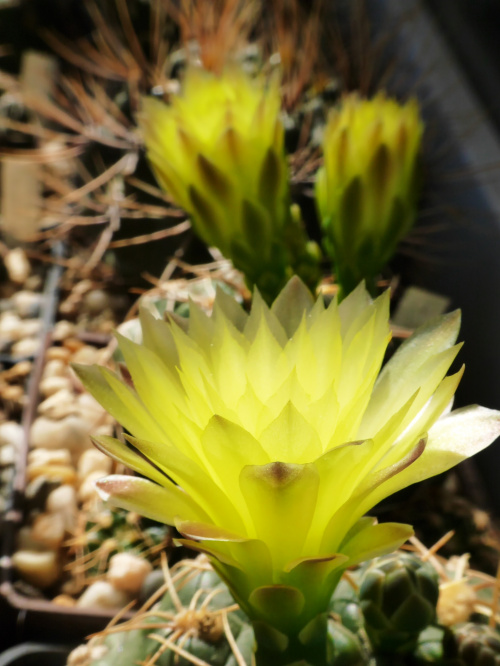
[
  {"x": 191, "y": 620},
  {"x": 280, "y": 438},
  {"x": 194, "y": 622}
]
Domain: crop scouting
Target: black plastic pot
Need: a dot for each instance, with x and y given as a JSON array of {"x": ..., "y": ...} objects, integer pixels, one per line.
[
  {"x": 35, "y": 654},
  {"x": 462, "y": 203}
]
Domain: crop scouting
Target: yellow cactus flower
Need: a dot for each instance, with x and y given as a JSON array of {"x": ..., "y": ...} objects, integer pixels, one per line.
[
  {"x": 266, "y": 437},
  {"x": 217, "y": 149},
  {"x": 368, "y": 188}
]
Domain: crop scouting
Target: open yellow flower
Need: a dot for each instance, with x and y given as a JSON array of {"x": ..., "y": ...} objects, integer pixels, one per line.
[
  {"x": 218, "y": 149},
  {"x": 267, "y": 437},
  {"x": 368, "y": 188}
]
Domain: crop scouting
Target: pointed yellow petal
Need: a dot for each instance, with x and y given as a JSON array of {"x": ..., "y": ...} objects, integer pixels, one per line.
[
  {"x": 290, "y": 438},
  {"x": 120, "y": 401},
  {"x": 375, "y": 541},
  {"x": 165, "y": 503},
  {"x": 273, "y": 493}
]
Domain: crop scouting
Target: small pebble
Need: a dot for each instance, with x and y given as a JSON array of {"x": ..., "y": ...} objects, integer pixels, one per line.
[
  {"x": 61, "y": 499},
  {"x": 95, "y": 301},
  {"x": 12, "y": 393},
  {"x": 7, "y": 455},
  {"x": 31, "y": 328},
  {"x": 33, "y": 283},
  {"x": 6, "y": 305},
  {"x": 11, "y": 327},
  {"x": 59, "y": 473},
  {"x": 87, "y": 355},
  {"x": 87, "y": 490},
  {"x": 48, "y": 530},
  {"x": 62, "y": 502},
  {"x": 51, "y": 385},
  {"x": 58, "y": 354},
  {"x": 128, "y": 572},
  {"x": 58, "y": 406},
  {"x": 18, "y": 371},
  {"x": 26, "y": 347},
  {"x": 27, "y": 303},
  {"x": 88, "y": 403},
  {"x": 55, "y": 368},
  {"x": 64, "y": 600},
  {"x": 63, "y": 329},
  {"x": 93, "y": 460},
  {"x": 71, "y": 432},
  {"x": 42, "y": 456},
  {"x": 38, "y": 490},
  {"x": 102, "y": 594},
  {"x": 41, "y": 569},
  {"x": 17, "y": 265},
  {"x": 24, "y": 540},
  {"x": 11, "y": 433},
  {"x": 7, "y": 475}
]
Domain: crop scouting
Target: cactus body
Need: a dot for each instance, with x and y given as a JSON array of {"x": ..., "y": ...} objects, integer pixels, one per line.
[
  {"x": 192, "y": 623},
  {"x": 477, "y": 645},
  {"x": 398, "y": 597},
  {"x": 193, "y": 628}
]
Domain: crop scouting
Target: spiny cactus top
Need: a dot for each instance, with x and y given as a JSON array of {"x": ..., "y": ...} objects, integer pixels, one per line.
[
  {"x": 267, "y": 437},
  {"x": 217, "y": 148},
  {"x": 367, "y": 189}
]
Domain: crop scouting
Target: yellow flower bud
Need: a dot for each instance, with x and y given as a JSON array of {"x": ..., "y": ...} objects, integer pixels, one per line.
[
  {"x": 368, "y": 188},
  {"x": 217, "y": 148}
]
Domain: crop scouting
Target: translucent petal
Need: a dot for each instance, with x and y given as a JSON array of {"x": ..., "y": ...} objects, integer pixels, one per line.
[
  {"x": 454, "y": 438},
  {"x": 290, "y": 438},
  {"x": 121, "y": 401},
  {"x": 267, "y": 365},
  {"x": 294, "y": 301},
  {"x": 200, "y": 327},
  {"x": 154, "y": 382},
  {"x": 157, "y": 337},
  {"x": 229, "y": 362},
  {"x": 228, "y": 449},
  {"x": 357, "y": 304},
  {"x": 338, "y": 471},
  {"x": 227, "y": 309},
  {"x": 130, "y": 458},
  {"x": 397, "y": 379},
  {"x": 428, "y": 415},
  {"x": 194, "y": 479},
  {"x": 250, "y": 557},
  {"x": 365, "y": 497},
  {"x": 375, "y": 541},
  {"x": 260, "y": 317},
  {"x": 164, "y": 503},
  {"x": 279, "y": 496}
]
